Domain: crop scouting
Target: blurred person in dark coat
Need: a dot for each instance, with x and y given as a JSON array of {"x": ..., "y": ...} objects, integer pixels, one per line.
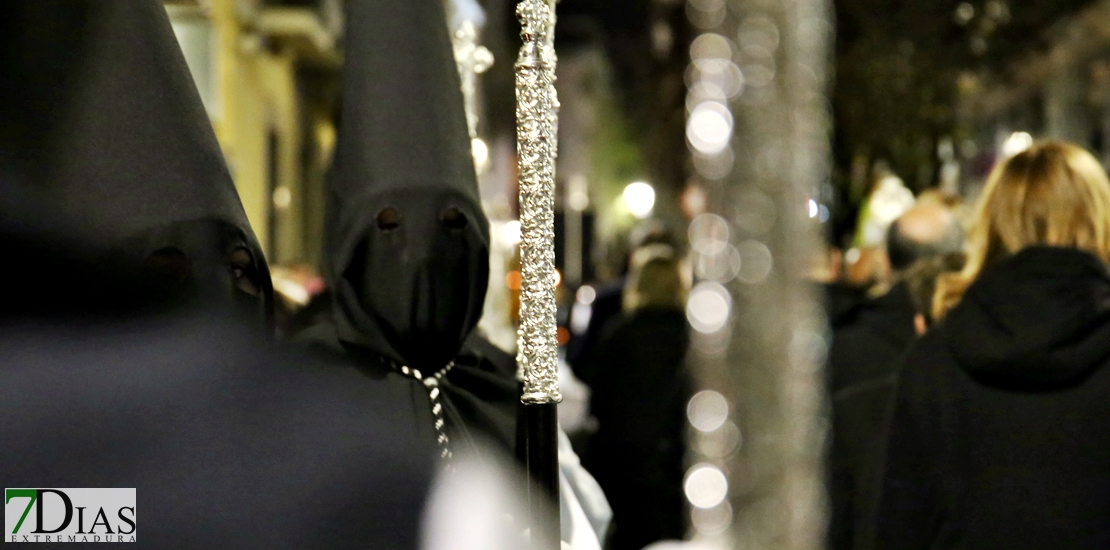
[
  {"x": 861, "y": 417},
  {"x": 607, "y": 304},
  {"x": 999, "y": 438},
  {"x": 865, "y": 353},
  {"x": 921, "y": 280},
  {"x": 873, "y": 337},
  {"x": 115, "y": 203},
  {"x": 839, "y": 296},
  {"x": 639, "y": 400}
]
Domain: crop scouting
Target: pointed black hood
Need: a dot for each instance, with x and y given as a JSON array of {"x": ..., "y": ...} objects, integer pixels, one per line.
[
  {"x": 106, "y": 143},
  {"x": 407, "y": 241},
  {"x": 1038, "y": 320}
]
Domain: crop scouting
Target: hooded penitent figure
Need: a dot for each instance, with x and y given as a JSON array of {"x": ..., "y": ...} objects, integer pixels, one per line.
[
  {"x": 107, "y": 150},
  {"x": 232, "y": 443},
  {"x": 407, "y": 241}
]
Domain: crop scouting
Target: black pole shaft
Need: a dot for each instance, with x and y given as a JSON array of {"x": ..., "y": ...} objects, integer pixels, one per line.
[{"x": 541, "y": 456}]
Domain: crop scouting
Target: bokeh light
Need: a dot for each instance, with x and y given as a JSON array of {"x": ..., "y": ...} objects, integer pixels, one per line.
[
  {"x": 721, "y": 267},
  {"x": 709, "y": 234},
  {"x": 756, "y": 262},
  {"x": 720, "y": 443},
  {"x": 716, "y": 166},
  {"x": 706, "y": 14},
  {"x": 578, "y": 200},
  {"x": 714, "y": 344},
  {"x": 480, "y": 151},
  {"x": 710, "y": 46},
  {"x": 706, "y": 486},
  {"x": 708, "y": 307},
  {"x": 1016, "y": 143},
  {"x": 513, "y": 280},
  {"x": 758, "y": 31},
  {"x": 707, "y": 410},
  {"x": 712, "y": 521},
  {"x": 586, "y": 294},
  {"x": 722, "y": 74},
  {"x": 639, "y": 197},
  {"x": 283, "y": 197},
  {"x": 709, "y": 128}
]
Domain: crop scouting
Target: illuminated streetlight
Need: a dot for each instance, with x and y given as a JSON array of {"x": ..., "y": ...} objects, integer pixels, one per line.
[{"x": 640, "y": 199}]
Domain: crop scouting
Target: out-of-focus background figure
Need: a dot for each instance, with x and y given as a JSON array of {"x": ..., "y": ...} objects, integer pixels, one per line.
[
  {"x": 870, "y": 340},
  {"x": 640, "y": 386},
  {"x": 609, "y": 300},
  {"x": 1018, "y": 363},
  {"x": 868, "y": 344}
]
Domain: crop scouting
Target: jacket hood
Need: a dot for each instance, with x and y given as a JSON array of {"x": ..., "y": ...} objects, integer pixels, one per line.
[
  {"x": 407, "y": 240},
  {"x": 1038, "y": 320},
  {"x": 106, "y": 142}
]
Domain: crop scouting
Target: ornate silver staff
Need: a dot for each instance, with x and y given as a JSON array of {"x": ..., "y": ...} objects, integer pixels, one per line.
[{"x": 536, "y": 115}]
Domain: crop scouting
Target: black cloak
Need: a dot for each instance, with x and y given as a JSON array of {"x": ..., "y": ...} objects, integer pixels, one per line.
[
  {"x": 407, "y": 240},
  {"x": 228, "y": 442},
  {"x": 105, "y": 144}
]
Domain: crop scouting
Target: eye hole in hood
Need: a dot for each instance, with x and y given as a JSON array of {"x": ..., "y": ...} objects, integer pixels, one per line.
[
  {"x": 389, "y": 219},
  {"x": 168, "y": 267},
  {"x": 453, "y": 218}
]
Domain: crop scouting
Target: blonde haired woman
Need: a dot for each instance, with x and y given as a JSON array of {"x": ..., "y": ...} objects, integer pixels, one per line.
[
  {"x": 1001, "y": 431},
  {"x": 639, "y": 400}
]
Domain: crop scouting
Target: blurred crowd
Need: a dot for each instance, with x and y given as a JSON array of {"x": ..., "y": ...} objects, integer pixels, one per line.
[
  {"x": 967, "y": 364},
  {"x": 968, "y": 350}
]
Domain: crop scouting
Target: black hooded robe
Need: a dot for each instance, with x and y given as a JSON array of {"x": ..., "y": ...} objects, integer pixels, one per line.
[
  {"x": 107, "y": 155},
  {"x": 407, "y": 240}
]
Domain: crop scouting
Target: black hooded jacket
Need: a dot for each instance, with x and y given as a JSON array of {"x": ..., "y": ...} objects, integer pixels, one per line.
[
  {"x": 407, "y": 240},
  {"x": 1000, "y": 438}
]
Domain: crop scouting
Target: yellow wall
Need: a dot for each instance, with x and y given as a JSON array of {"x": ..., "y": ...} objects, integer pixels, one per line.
[{"x": 257, "y": 95}]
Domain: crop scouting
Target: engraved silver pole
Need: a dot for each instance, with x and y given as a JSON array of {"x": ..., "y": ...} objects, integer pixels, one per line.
[{"x": 537, "y": 119}]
